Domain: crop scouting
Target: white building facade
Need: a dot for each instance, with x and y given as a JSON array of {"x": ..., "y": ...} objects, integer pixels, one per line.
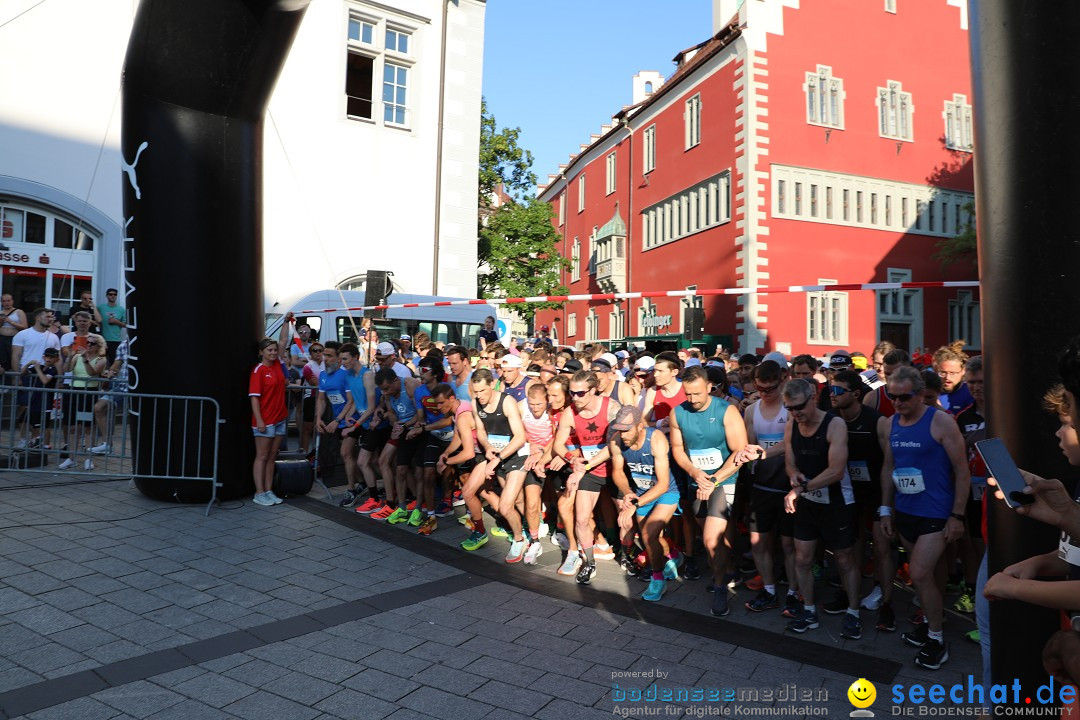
[{"x": 355, "y": 174}]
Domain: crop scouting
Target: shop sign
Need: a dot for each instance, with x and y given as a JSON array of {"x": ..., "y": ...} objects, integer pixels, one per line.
[{"x": 651, "y": 322}]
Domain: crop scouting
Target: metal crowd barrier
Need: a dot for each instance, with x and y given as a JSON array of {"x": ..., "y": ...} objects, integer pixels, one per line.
[{"x": 92, "y": 432}]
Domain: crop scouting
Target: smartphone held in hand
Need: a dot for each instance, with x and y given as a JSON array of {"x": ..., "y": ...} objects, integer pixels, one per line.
[{"x": 1000, "y": 465}]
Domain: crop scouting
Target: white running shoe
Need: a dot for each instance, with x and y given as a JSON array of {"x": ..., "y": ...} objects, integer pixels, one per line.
[
  {"x": 261, "y": 499},
  {"x": 274, "y": 499},
  {"x": 873, "y": 600},
  {"x": 66, "y": 464},
  {"x": 102, "y": 449},
  {"x": 536, "y": 549},
  {"x": 88, "y": 464},
  {"x": 543, "y": 531},
  {"x": 560, "y": 540}
]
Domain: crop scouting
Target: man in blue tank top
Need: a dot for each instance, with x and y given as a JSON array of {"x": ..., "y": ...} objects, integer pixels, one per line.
[
  {"x": 642, "y": 475},
  {"x": 407, "y": 425},
  {"x": 706, "y": 434},
  {"x": 924, "y": 489},
  {"x": 816, "y": 456}
]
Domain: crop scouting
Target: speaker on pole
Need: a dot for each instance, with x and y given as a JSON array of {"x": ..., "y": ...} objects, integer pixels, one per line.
[
  {"x": 694, "y": 322},
  {"x": 376, "y": 290}
]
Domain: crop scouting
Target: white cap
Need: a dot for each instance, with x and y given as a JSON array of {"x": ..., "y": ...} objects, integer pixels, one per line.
[
  {"x": 385, "y": 349},
  {"x": 645, "y": 363},
  {"x": 510, "y": 361},
  {"x": 778, "y": 358},
  {"x": 611, "y": 359}
]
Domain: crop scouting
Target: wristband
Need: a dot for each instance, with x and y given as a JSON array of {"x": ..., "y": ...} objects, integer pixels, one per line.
[
  {"x": 633, "y": 500},
  {"x": 884, "y": 511},
  {"x": 957, "y": 516},
  {"x": 803, "y": 484}
]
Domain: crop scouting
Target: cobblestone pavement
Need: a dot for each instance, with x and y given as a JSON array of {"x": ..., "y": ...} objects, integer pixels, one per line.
[{"x": 113, "y": 605}]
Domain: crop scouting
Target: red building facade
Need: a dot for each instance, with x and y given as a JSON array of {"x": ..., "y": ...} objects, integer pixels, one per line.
[{"x": 807, "y": 142}]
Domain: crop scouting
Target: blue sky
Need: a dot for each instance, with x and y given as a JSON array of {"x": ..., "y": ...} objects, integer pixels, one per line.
[{"x": 559, "y": 69}]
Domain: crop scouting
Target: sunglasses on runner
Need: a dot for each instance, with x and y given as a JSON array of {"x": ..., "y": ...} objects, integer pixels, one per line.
[
  {"x": 797, "y": 408},
  {"x": 901, "y": 397},
  {"x": 766, "y": 389},
  {"x": 837, "y": 390},
  {"x": 580, "y": 393}
]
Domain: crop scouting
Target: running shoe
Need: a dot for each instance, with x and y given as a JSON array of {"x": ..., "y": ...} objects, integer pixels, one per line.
[
  {"x": 459, "y": 500},
  {"x": 918, "y": 617},
  {"x": 536, "y": 549},
  {"x": 603, "y": 552},
  {"x": 933, "y": 654},
  {"x": 370, "y": 505},
  {"x": 35, "y": 443},
  {"x": 793, "y": 607},
  {"x": 347, "y": 500},
  {"x": 516, "y": 552},
  {"x": 764, "y": 600},
  {"x": 655, "y": 591},
  {"x": 411, "y": 506},
  {"x": 542, "y": 531},
  {"x": 102, "y": 449},
  {"x": 720, "y": 605},
  {"x": 806, "y": 621},
  {"x": 571, "y": 564},
  {"x": 671, "y": 570},
  {"x": 500, "y": 532},
  {"x": 917, "y": 637},
  {"x": 466, "y": 521},
  {"x": 974, "y": 637},
  {"x": 755, "y": 583},
  {"x": 886, "y": 618},
  {"x": 269, "y": 493},
  {"x": 965, "y": 603},
  {"x": 382, "y": 513},
  {"x": 851, "y": 628},
  {"x": 416, "y": 517},
  {"x": 559, "y": 539},
  {"x": 837, "y": 605},
  {"x": 398, "y": 516},
  {"x": 690, "y": 569},
  {"x": 627, "y": 563},
  {"x": 88, "y": 464},
  {"x": 585, "y": 573},
  {"x": 475, "y": 541},
  {"x": 259, "y": 499},
  {"x": 428, "y": 526},
  {"x": 679, "y": 558},
  {"x": 443, "y": 509},
  {"x": 873, "y": 600},
  {"x": 902, "y": 574}
]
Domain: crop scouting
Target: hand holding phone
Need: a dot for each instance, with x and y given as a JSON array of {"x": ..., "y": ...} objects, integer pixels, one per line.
[{"x": 1004, "y": 471}]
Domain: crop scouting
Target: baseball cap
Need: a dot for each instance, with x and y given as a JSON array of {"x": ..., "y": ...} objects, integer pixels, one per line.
[
  {"x": 859, "y": 363},
  {"x": 691, "y": 362},
  {"x": 611, "y": 359},
  {"x": 839, "y": 359},
  {"x": 510, "y": 361},
  {"x": 645, "y": 363},
  {"x": 778, "y": 358},
  {"x": 572, "y": 366},
  {"x": 404, "y": 337},
  {"x": 600, "y": 364},
  {"x": 627, "y": 417},
  {"x": 385, "y": 348},
  {"x": 712, "y": 362},
  {"x": 622, "y": 354},
  {"x": 51, "y": 352},
  {"x": 544, "y": 328}
]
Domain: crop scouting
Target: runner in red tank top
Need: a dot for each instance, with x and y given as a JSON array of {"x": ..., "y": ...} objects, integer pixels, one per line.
[
  {"x": 668, "y": 393},
  {"x": 878, "y": 399}
]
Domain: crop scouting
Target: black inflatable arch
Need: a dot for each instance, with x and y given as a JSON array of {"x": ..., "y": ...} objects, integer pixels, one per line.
[{"x": 197, "y": 78}]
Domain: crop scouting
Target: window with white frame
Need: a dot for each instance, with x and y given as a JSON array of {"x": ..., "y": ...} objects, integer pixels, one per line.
[
  {"x": 562, "y": 208},
  {"x": 575, "y": 261},
  {"x": 648, "y": 159},
  {"x": 692, "y": 115},
  {"x": 964, "y": 320},
  {"x": 611, "y": 173},
  {"x": 367, "y": 60},
  {"x": 616, "y": 324},
  {"x": 824, "y": 98},
  {"x": 571, "y": 324},
  {"x": 827, "y": 316},
  {"x": 592, "y": 325},
  {"x": 894, "y": 111},
  {"x": 697, "y": 208},
  {"x": 581, "y": 192},
  {"x": 958, "y": 126}
]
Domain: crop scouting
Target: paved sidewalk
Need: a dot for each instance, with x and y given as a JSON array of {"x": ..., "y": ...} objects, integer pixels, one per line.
[{"x": 114, "y": 605}]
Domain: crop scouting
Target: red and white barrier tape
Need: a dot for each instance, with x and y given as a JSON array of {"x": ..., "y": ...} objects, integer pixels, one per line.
[{"x": 762, "y": 290}]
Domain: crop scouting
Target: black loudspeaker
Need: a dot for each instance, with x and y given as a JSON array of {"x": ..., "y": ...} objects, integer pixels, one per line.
[
  {"x": 376, "y": 289},
  {"x": 694, "y": 323}
]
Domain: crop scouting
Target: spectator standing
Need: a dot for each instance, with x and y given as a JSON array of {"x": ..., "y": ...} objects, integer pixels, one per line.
[
  {"x": 487, "y": 334},
  {"x": 76, "y": 340},
  {"x": 12, "y": 320},
  {"x": 266, "y": 389},
  {"x": 113, "y": 323},
  {"x": 86, "y": 304}
]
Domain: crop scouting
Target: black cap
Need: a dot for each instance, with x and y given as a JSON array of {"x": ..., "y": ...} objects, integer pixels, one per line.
[{"x": 571, "y": 367}]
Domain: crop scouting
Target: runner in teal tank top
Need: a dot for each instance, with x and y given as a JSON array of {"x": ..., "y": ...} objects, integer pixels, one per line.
[{"x": 707, "y": 438}]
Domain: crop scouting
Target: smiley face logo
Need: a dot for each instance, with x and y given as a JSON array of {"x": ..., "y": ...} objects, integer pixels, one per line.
[{"x": 862, "y": 693}]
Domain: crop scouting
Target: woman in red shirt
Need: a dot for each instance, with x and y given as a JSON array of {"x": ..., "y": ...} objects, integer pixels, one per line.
[{"x": 266, "y": 389}]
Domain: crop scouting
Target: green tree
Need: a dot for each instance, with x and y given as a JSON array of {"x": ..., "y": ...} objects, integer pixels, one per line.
[
  {"x": 961, "y": 248},
  {"x": 518, "y": 244}
]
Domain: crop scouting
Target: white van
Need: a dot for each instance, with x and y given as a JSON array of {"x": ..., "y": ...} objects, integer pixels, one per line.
[{"x": 324, "y": 312}]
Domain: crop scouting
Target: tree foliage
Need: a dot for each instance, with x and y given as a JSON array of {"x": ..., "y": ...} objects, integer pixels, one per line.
[
  {"x": 518, "y": 244},
  {"x": 960, "y": 249}
]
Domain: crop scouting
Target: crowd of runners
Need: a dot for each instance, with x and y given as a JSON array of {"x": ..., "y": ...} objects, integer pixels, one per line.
[{"x": 853, "y": 468}]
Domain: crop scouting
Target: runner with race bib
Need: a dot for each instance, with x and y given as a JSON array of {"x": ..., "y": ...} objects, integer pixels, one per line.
[{"x": 927, "y": 464}]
